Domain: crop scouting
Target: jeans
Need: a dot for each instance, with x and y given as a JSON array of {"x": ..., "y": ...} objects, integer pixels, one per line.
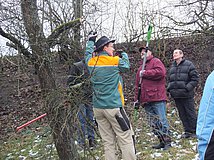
[
  {"x": 156, "y": 114},
  {"x": 85, "y": 116}
]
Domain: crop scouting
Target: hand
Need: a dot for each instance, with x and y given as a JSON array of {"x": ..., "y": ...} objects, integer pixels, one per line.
[
  {"x": 92, "y": 36},
  {"x": 118, "y": 53},
  {"x": 136, "y": 105},
  {"x": 141, "y": 73},
  {"x": 168, "y": 95}
]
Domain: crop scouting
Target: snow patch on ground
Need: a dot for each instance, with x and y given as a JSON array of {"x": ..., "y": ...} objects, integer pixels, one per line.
[{"x": 155, "y": 155}]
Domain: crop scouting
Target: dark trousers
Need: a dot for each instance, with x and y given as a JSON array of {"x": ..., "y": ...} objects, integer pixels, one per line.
[
  {"x": 187, "y": 113},
  {"x": 209, "y": 154}
]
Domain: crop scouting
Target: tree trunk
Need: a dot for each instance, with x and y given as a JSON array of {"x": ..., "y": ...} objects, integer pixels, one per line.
[
  {"x": 63, "y": 138},
  {"x": 78, "y": 13},
  {"x": 38, "y": 44},
  {"x": 61, "y": 117}
]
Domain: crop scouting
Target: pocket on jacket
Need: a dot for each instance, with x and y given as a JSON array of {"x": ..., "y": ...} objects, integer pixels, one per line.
[
  {"x": 180, "y": 93},
  {"x": 151, "y": 93}
]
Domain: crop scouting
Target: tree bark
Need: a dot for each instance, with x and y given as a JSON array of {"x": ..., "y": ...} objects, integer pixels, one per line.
[
  {"x": 57, "y": 114},
  {"x": 61, "y": 116},
  {"x": 78, "y": 12},
  {"x": 40, "y": 49}
]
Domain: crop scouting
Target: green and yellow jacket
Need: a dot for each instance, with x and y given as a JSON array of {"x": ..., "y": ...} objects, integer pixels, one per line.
[{"x": 105, "y": 77}]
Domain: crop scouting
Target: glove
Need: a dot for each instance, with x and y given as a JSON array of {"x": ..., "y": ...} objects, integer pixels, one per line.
[
  {"x": 118, "y": 53},
  {"x": 136, "y": 105},
  {"x": 141, "y": 73},
  {"x": 92, "y": 36}
]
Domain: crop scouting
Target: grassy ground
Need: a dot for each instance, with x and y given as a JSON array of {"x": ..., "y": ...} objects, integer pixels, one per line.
[
  {"x": 38, "y": 144},
  {"x": 182, "y": 149},
  {"x": 29, "y": 145}
]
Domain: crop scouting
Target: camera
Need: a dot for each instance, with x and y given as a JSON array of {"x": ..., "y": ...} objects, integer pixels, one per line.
[{"x": 118, "y": 53}]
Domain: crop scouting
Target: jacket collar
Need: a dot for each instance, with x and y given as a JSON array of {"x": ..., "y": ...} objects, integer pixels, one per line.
[
  {"x": 175, "y": 64},
  {"x": 149, "y": 58},
  {"x": 103, "y": 53}
]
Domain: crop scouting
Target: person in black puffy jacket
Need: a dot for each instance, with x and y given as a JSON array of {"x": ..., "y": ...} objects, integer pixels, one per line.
[{"x": 183, "y": 78}]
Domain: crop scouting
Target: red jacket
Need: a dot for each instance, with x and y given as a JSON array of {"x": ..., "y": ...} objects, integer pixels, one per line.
[{"x": 153, "y": 81}]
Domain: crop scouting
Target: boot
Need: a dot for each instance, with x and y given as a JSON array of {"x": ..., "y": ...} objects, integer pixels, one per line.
[
  {"x": 91, "y": 144},
  {"x": 160, "y": 145},
  {"x": 167, "y": 142},
  {"x": 189, "y": 135}
]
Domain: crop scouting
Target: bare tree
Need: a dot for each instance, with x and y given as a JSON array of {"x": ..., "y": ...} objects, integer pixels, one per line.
[
  {"x": 35, "y": 27},
  {"x": 197, "y": 16},
  {"x": 39, "y": 53}
]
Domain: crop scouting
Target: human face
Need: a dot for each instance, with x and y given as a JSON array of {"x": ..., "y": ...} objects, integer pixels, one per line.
[
  {"x": 177, "y": 55},
  {"x": 147, "y": 55},
  {"x": 109, "y": 49}
]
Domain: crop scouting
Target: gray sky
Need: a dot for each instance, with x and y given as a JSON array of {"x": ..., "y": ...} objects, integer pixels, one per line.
[
  {"x": 121, "y": 26},
  {"x": 3, "y": 48},
  {"x": 121, "y": 18}
]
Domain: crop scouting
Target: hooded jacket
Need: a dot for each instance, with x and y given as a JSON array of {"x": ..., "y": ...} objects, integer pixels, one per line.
[{"x": 153, "y": 81}]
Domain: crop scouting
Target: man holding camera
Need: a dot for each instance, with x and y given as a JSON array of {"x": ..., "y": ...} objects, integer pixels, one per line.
[{"x": 108, "y": 98}]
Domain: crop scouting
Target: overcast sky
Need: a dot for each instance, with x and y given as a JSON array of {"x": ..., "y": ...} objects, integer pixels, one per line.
[
  {"x": 3, "y": 48},
  {"x": 137, "y": 9},
  {"x": 121, "y": 6}
]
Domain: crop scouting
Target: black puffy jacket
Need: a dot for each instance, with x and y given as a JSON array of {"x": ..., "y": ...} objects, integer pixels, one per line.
[{"x": 183, "y": 78}]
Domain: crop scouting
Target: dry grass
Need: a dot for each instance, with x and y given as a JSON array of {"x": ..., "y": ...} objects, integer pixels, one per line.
[{"x": 39, "y": 144}]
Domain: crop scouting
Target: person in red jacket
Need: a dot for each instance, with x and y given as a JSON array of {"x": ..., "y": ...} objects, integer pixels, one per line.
[{"x": 153, "y": 96}]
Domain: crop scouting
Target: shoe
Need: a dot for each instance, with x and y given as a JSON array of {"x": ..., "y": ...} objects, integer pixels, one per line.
[
  {"x": 167, "y": 142},
  {"x": 91, "y": 144},
  {"x": 193, "y": 135},
  {"x": 188, "y": 135},
  {"x": 162, "y": 145},
  {"x": 159, "y": 146},
  {"x": 167, "y": 146}
]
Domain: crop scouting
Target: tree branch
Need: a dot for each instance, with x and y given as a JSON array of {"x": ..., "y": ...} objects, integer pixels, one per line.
[
  {"x": 199, "y": 16},
  {"x": 60, "y": 29},
  {"x": 16, "y": 43},
  {"x": 191, "y": 3}
]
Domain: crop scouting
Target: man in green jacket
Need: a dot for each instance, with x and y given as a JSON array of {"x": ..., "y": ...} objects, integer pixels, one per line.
[{"x": 108, "y": 98}]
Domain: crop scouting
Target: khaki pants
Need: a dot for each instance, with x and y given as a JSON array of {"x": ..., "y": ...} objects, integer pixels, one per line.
[{"x": 110, "y": 129}]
